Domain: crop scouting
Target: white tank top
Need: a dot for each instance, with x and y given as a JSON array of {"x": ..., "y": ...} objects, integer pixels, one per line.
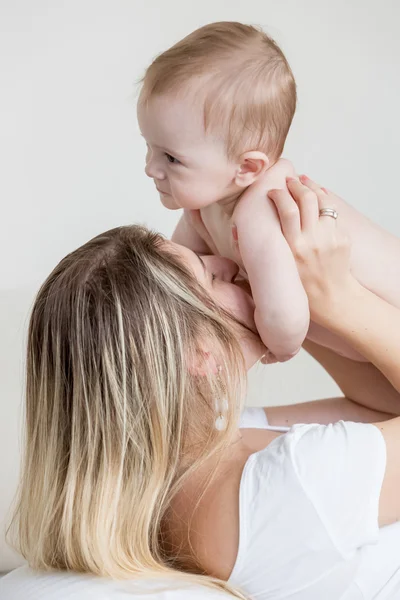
[{"x": 309, "y": 516}]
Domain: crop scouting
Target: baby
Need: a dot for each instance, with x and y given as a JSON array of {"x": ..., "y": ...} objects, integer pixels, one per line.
[{"x": 215, "y": 110}]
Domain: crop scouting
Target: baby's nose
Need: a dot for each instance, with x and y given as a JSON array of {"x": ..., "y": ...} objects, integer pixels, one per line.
[{"x": 153, "y": 171}]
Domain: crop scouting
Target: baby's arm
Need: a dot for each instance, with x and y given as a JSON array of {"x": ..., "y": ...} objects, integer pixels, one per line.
[
  {"x": 186, "y": 234},
  {"x": 281, "y": 314}
]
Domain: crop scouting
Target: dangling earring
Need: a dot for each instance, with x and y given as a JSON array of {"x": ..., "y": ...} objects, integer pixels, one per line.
[{"x": 221, "y": 405}]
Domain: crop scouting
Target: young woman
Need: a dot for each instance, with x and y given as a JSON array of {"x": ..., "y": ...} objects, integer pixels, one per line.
[{"x": 139, "y": 461}]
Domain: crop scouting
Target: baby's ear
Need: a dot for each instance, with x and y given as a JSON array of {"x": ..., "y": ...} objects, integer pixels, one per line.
[{"x": 252, "y": 165}]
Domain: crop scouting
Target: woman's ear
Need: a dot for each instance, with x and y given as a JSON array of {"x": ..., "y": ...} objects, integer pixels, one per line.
[
  {"x": 252, "y": 165},
  {"x": 203, "y": 364}
]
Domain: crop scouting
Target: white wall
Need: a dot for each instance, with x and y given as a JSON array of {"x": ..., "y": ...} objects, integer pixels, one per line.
[{"x": 71, "y": 159}]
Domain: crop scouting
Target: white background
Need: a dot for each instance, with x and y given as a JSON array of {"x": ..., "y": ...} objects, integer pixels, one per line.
[{"x": 71, "y": 158}]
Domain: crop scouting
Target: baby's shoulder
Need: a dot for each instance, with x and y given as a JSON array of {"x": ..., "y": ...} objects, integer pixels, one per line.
[{"x": 255, "y": 198}]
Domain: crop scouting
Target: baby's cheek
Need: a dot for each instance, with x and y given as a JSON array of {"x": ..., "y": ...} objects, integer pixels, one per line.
[
  {"x": 240, "y": 305},
  {"x": 195, "y": 197}
]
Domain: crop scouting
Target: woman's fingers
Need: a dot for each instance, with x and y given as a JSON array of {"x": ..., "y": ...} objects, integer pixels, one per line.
[
  {"x": 288, "y": 213},
  {"x": 320, "y": 249},
  {"x": 306, "y": 192},
  {"x": 307, "y": 201},
  {"x": 324, "y": 199},
  {"x": 329, "y": 225}
]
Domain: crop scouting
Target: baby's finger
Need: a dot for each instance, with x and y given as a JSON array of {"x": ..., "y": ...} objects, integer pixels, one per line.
[
  {"x": 308, "y": 203},
  {"x": 288, "y": 213},
  {"x": 268, "y": 358},
  {"x": 235, "y": 245}
]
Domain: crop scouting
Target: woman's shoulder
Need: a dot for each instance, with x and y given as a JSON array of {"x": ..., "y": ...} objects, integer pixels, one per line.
[
  {"x": 311, "y": 493},
  {"x": 216, "y": 524},
  {"x": 310, "y": 497},
  {"x": 319, "y": 462},
  {"x": 305, "y": 487}
]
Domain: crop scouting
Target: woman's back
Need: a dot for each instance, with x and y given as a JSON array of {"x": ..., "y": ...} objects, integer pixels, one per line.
[
  {"x": 291, "y": 519},
  {"x": 302, "y": 528}
]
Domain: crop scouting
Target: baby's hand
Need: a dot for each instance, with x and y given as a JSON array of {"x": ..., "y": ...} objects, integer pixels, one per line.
[
  {"x": 320, "y": 247},
  {"x": 268, "y": 358}
]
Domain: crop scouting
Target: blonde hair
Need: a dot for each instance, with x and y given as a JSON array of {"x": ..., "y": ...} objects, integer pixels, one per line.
[
  {"x": 250, "y": 91},
  {"x": 115, "y": 421}
]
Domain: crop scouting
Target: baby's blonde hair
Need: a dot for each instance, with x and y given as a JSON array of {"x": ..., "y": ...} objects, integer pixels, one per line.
[
  {"x": 115, "y": 421},
  {"x": 249, "y": 88}
]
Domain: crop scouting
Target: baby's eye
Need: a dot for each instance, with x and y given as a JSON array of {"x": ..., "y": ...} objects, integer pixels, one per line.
[
  {"x": 213, "y": 276},
  {"x": 171, "y": 159}
]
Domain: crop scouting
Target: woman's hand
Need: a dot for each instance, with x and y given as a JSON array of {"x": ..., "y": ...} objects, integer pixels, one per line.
[{"x": 320, "y": 247}]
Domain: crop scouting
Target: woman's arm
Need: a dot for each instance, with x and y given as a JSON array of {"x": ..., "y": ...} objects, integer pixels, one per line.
[
  {"x": 337, "y": 301},
  {"x": 360, "y": 382},
  {"x": 368, "y": 395},
  {"x": 369, "y": 324},
  {"x": 323, "y": 412}
]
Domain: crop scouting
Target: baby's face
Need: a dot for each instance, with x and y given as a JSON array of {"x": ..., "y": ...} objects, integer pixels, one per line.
[
  {"x": 190, "y": 168},
  {"x": 217, "y": 275}
]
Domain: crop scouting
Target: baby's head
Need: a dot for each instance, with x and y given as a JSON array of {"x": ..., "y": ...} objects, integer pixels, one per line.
[{"x": 215, "y": 110}]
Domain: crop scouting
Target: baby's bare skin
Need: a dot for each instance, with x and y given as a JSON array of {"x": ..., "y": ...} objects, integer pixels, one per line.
[
  {"x": 281, "y": 314},
  {"x": 375, "y": 254},
  {"x": 192, "y": 170}
]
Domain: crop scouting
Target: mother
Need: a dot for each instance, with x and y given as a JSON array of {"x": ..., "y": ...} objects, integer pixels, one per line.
[{"x": 138, "y": 461}]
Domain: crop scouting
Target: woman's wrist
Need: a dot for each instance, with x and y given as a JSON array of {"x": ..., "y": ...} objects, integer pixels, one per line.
[
  {"x": 369, "y": 324},
  {"x": 333, "y": 305}
]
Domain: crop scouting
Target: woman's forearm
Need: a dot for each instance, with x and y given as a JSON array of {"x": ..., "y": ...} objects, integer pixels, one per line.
[
  {"x": 370, "y": 325},
  {"x": 360, "y": 382}
]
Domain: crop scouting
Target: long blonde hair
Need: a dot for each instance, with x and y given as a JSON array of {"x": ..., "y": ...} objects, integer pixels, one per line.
[{"x": 111, "y": 406}]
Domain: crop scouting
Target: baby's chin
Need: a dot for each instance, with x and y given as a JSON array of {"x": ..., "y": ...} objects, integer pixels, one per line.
[{"x": 168, "y": 201}]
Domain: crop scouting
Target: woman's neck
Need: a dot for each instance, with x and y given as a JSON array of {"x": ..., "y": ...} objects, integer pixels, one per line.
[{"x": 203, "y": 519}]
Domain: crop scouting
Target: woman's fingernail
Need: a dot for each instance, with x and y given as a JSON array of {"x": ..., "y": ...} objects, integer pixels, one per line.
[
  {"x": 324, "y": 190},
  {"x": 234, "y": 233},
  {"x": 290, "y": 179},
  {"x": 303, "y": 177}
]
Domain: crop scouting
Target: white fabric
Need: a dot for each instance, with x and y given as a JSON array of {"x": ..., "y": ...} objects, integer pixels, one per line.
[
  {"x": 255, "y": 418},
  {"x": 306, "y": 529},
  {"x": 25, "y": 584},
  {"x": 309, "y": 517}
]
